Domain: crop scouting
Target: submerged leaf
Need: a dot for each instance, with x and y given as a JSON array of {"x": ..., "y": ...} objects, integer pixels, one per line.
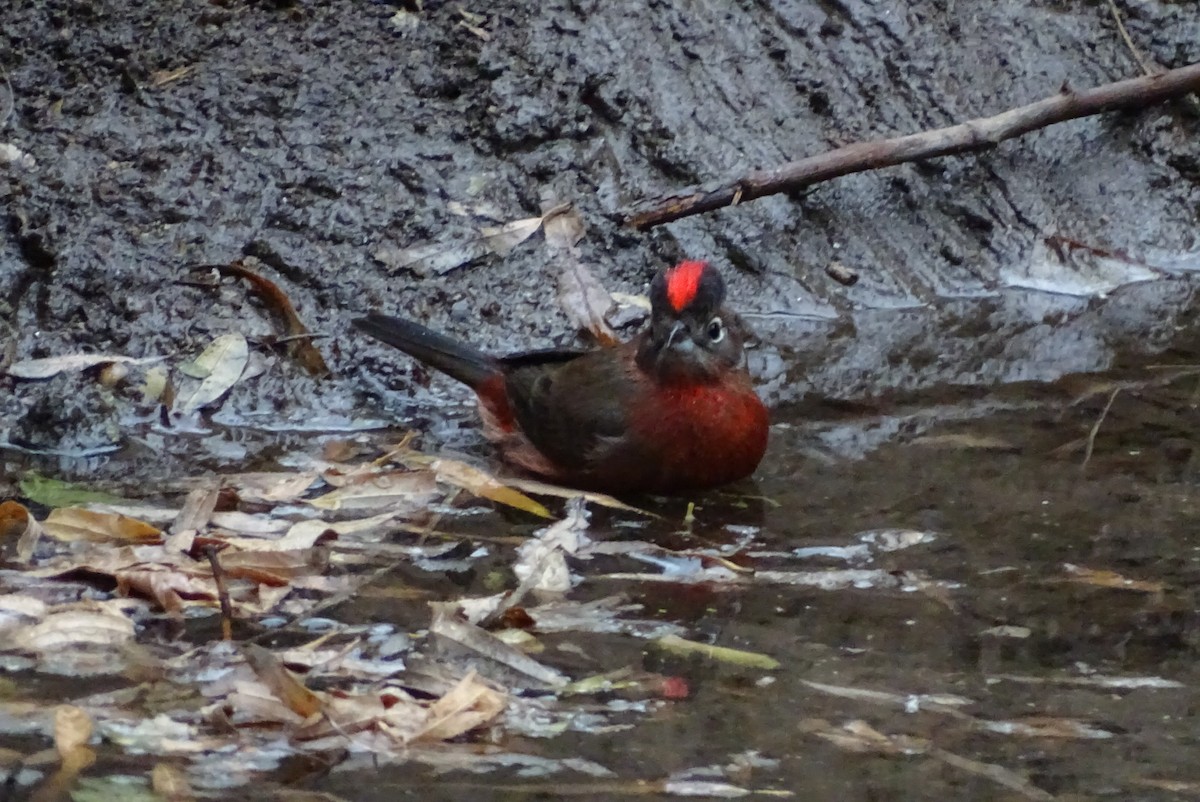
[
  {"x": 680, "y": 646},
  {"x": 57, "y": 493},
  {"x": 369, "y": 491}
]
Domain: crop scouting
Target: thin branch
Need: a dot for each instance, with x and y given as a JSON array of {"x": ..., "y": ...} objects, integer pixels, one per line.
[
  {"x": 1091, "y": 438},
  {"x": 218, "y": 573},
  {"x": 980, "y": 134}
]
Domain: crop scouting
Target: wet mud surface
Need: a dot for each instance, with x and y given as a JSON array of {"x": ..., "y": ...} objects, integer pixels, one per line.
[{"x": 954, "y": 390}]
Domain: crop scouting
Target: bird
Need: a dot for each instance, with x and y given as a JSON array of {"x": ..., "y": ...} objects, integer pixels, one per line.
[{"x": 668, "y": 412}]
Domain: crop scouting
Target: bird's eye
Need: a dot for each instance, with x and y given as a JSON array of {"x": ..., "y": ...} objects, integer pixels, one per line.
[{"x": 716, "y": 330}]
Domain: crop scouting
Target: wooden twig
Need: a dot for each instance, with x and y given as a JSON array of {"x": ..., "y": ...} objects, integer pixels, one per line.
[
  {"x": 214, "y": 560},
  {"x": 1095, "y": 430},
  {"x": 975, "y": 135}
]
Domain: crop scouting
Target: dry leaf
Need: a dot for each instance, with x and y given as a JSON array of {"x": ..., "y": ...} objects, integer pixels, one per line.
[
  {"x": 1044, "y": 727},
  {"x": 16, "y": 520},
  {"x": 1110, "y": 579},
  {"x": 468, "y": 705},
  {"x": 72, "y": 729},
  {"x": 72, "y": 524},
  {"x": 69, "y": 363},
  {"x": 483, "y": 484},
  {"x": 170, "y": 783},
  {"x": 166, "y": 585},
  {"x": 441, "y": 257},
  {"x": 219, "y": 367},
  {"x": 448, "y": 624},
  {"x": 274, "y": 487},
  {"x": 539, "y": 488},
  {"x": 504, "y": 239},
  {"x": 541, "y": 561},
  {"x": 282, "y": 682},
  {"x": 74, "y": 628},
  {"x": 580, "y": 293},
  {"x": 408, "y": 488},
  {"x": 273, "y": 568}
]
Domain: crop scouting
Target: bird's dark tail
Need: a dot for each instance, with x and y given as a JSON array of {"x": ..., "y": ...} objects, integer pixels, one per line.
[{"x": 456, "y": 359}]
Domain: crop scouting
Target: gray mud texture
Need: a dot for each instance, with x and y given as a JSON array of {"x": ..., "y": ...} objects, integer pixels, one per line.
[{"x": 319, "y": 136}]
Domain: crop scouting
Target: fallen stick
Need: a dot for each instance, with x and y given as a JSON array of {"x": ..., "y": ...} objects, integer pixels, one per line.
[{"x": 983, "y": 133}]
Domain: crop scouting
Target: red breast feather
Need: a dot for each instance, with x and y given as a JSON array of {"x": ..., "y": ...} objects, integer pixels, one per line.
[{"x": 704, "y": 435}]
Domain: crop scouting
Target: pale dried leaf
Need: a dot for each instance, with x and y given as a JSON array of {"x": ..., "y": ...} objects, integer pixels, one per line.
[
  {"x": 468, "y": 705},
  {"x": 539, "y": 488},
  {"x": 1095, "y": 681},
  {"x": 1110, "y": 579},
  {"x": 72, "y": 729},
  {"x": 171, "y": 783},
  {"x": 197, "y": 510},
  {"x": 17, "y": 521},
  {"x": 73, "y": 523},
  {"x": 74, "y": 628},
  {"x": 220, "y": 366},
  {"x": 966, "y": 441},
  {"x": 1044, "y": 727},
  {"x": 709, "y": 789},
  {"x": 273, "y": 567},
  {"x": 431, "y": 258},
  {"x": 411, "y": 489},
  {"x": 938, "y": 703},
  {"x": 19, "y": 605},
  {"x": 483, "y": 484},
  {"x": 305, "y": 533},
  {"x": 503, "y": 240},
  {"x": 252, "y": 702},
  {"x": 69, "y": 363},
  {"x": 273, "y": 487},
  {"x": 171, "y": 588},
  {"x": 447, "y": 624},
  {"x": 580, "y": 293},
  {"x": 998, "y": 774},
  {"x": 342, "y": 716},
  {"x": 541, "y": 562},
  {"x": 281, "y": 682}
]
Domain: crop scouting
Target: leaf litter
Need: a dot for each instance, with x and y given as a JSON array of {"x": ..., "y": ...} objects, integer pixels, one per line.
[{"x": 478, "y": 669}]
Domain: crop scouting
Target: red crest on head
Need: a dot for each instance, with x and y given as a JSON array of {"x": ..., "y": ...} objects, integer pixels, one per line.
[{"x": 683, "y": 281}]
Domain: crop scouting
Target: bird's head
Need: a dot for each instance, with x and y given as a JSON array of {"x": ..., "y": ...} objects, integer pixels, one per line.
[{"x": 691, "y": 336}]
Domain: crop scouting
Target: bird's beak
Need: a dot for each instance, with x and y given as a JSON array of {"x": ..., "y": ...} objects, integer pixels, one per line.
[{"x": 679, "y": 339}]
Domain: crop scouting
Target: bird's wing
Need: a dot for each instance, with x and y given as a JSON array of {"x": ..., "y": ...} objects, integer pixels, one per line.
[{"x": 572, "y": 406}]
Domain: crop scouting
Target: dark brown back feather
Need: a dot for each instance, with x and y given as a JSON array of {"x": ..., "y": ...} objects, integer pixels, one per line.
[{"x": 572, "y": 407}]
